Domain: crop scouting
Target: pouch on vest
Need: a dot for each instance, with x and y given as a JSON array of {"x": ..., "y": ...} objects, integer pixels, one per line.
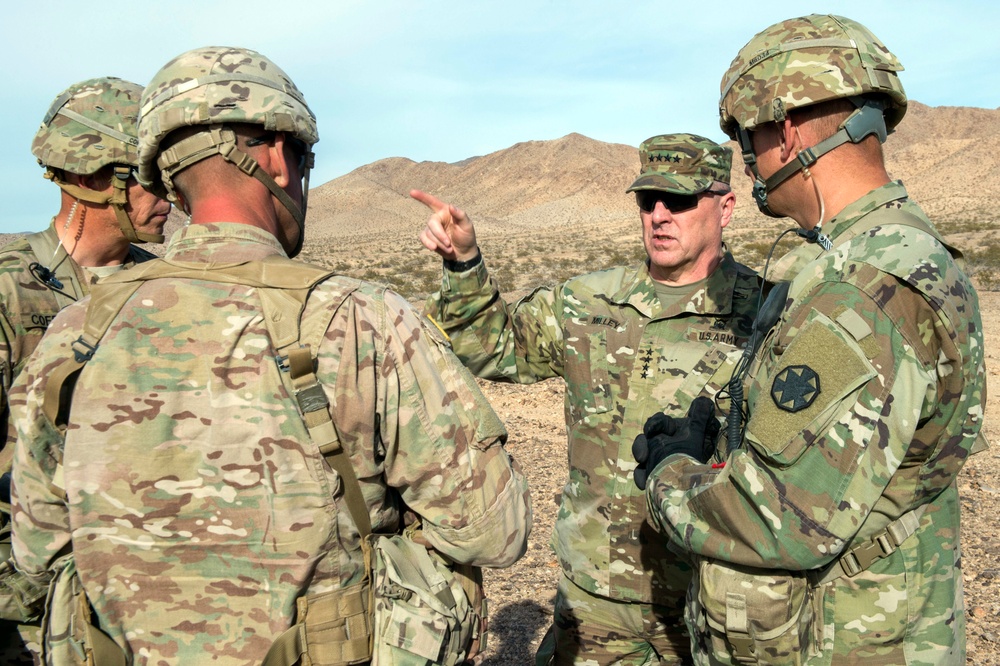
[
  {"x": 749, "y": 616},
  {"x": 423, "y": 613},
  {"x": 68, "y": 636}
]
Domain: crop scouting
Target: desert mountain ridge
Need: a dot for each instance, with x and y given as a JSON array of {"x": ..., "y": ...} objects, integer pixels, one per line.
[
  {"x": 565, "y": 198},
  {"x": 946, "y": 156}
]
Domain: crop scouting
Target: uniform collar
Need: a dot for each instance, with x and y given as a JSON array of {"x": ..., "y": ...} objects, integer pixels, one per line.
[
  {"x": 221, "y": 242},
  {"x": 788, "y": 266},
  {"x": 877, "y": 198},
  {"x": 714, "y": 298}
]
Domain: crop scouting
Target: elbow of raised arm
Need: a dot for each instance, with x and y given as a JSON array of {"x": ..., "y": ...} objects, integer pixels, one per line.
[{"x": 497, "y": 538}]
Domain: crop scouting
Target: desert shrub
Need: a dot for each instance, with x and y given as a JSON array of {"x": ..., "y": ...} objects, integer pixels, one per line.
[{"x": 983, "y": 264}]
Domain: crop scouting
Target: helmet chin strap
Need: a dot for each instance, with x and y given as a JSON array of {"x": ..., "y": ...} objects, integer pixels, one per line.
[
  {"x": 117, "y": 200},
  {"x": 866, "y": 119},
  {"x": 221, "y": 140}
]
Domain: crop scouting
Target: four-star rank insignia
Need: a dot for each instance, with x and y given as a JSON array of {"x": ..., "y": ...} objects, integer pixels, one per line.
[{"x": 795, "y": 388}]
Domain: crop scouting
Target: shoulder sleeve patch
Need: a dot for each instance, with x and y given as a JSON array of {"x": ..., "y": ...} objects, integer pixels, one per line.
[{"x": 798, "y": 400}]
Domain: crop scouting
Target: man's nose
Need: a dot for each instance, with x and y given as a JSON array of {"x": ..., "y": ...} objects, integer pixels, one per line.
[{"x": 661, "y": 213}]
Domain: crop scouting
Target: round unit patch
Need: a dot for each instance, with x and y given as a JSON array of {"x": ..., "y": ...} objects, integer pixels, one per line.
[{"x": 795, "y": 388}]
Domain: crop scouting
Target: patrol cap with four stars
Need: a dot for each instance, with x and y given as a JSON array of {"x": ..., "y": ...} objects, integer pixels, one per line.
[{"x": 681, "y": 164}]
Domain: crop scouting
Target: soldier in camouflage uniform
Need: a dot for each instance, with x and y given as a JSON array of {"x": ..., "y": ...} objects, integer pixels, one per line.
[
  {"x": 88, "y": 147},
  {"x": 186, "y": 487},
  {"x": 839, "y": 505},
  {"x": 626, "y": 341}
]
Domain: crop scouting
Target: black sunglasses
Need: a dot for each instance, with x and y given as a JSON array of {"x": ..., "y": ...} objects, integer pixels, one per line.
[
  {"x": 675, "y": 203},
  {"x": 299, "y": 147}
]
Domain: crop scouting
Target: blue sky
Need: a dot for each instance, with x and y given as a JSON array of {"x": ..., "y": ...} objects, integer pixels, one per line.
[{"x": 435, "y": 80}]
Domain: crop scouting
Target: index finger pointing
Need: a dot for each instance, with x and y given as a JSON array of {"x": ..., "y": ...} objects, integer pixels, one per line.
[{"x": 429, "y": 200}]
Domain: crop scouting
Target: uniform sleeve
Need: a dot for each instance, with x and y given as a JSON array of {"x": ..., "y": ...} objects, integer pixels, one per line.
[
  {"x": 438, "y": 444},
  {"x": 834, "y": 408},
  {"x": 6, "y": 377},
  {"x": 521, "y": 343},
  {"x": 40, "y": 514},
  {"x": 8, "y": 346}
]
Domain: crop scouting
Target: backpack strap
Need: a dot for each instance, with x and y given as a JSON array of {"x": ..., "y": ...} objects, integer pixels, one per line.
[
  {"x": 105, "y": 304},
  {"x": 297, "y": 366}
]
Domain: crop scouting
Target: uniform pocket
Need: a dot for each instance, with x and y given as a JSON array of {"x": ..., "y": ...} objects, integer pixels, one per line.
[{"x": 588, "y": 379}]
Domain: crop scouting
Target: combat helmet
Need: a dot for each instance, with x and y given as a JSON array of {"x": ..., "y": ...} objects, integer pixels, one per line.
[
  {"x": 90, "y": 125},
  {"x": 805, "y": 61},
  {"x": 215, "y": 86}
]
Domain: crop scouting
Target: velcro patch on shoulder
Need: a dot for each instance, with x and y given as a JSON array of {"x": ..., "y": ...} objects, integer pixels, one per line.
[
  {"x": 859, "y": 329},
  {"x": 819, "y": 368}
]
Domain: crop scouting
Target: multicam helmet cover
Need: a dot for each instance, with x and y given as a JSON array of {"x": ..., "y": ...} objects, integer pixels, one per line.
[
  {"x": 804, "y": 61},
  {"x": 216, "y": 86},
  {"x": 801, "y": 62},
  {"x": 91, "y": 125}
]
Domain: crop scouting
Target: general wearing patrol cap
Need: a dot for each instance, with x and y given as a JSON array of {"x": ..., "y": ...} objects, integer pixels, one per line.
[{"x": 681, "y": 164}]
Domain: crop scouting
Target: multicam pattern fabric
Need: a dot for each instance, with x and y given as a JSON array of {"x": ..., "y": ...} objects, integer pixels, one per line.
[
  {"x": 197, "y": 508},
  {"x": 682, "y": 164},
  {"x": 27, "y": 307},
  {"x": 804, "y": 61},
  {"x": 891, "y": 326},
  {"x": 623, "y": 358},
  {"x": 90, "y": 125},
  {"x": 212, "y": 85}
]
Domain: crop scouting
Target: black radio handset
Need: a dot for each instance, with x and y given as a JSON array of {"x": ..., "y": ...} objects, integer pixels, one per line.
[
  {"x": 45, "y": 275},
  {"x": 815, "y": 235}
]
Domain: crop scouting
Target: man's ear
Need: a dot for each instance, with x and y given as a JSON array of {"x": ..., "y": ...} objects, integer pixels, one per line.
[
  {"x": 278, "y": 165},
  {"x": 791, "y": 141},
  {"x": 728, "y": 205}
]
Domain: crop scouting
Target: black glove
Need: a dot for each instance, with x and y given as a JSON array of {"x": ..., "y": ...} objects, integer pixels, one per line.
[{"x": 663, "y": 435}]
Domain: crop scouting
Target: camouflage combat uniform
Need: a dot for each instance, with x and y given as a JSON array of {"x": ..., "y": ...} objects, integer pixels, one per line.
[
  {"x": 198, "y": 508},
  {"x": 864, "y": 403},
  {"x": 623, "y": 358},
  {"x": 27, "y": 307}
]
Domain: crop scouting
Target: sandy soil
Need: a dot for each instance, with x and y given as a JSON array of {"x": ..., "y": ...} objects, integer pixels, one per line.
[{"x": 521, "y": 597}]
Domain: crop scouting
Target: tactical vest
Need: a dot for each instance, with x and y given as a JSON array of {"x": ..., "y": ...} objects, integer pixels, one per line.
[{"x": 335, "y": 628}]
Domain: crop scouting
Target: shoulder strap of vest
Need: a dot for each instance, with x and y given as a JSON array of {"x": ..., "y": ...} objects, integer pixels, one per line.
[
  {"x": 105, "y": 304},
  {"x": 297, "y": 366}
]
